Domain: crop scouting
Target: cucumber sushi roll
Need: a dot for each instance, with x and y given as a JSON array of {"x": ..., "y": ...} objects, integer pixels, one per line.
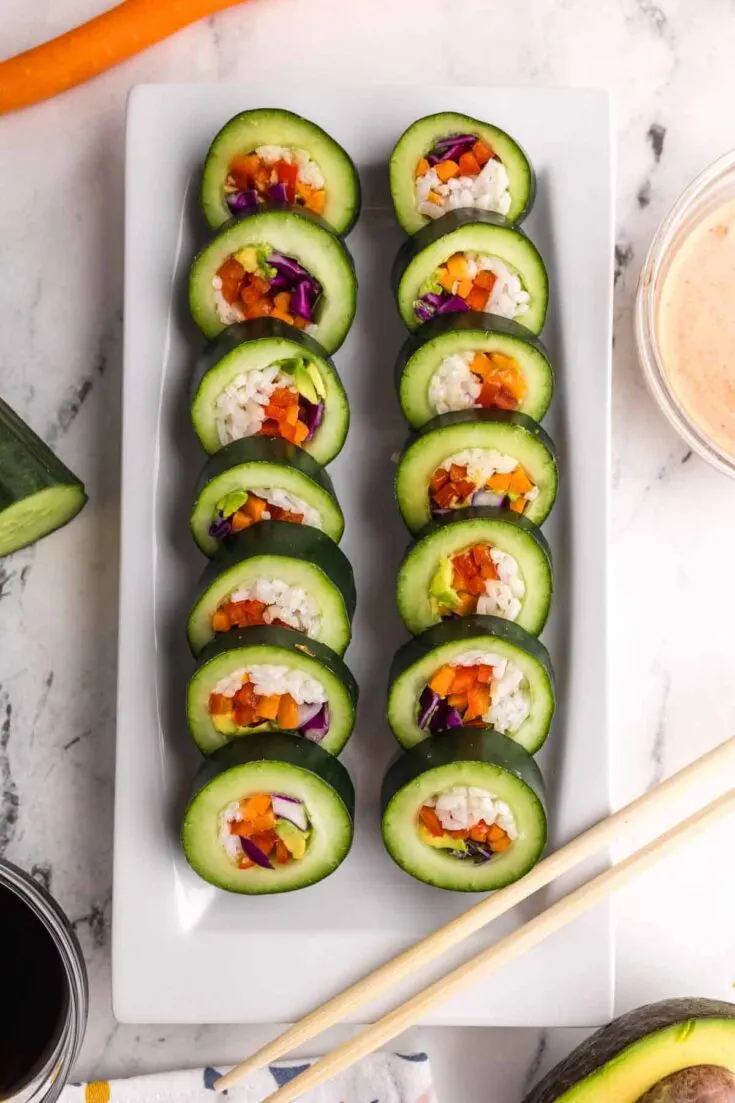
[
  {"x": 488, "y": 561},
  {"x": 474, "y": 671},
  {"x": 472, "y": 361},
  {"x": 255, "y": 681},
  {"x": 477, "y": 458},
  {"x": 471, "y": 260},
  {"x": 38, "y": 493},
  {"x": 446, "y": 161},
  {"x": 265, "y": 379},
  {"x": 465, "y": 811},
  {"x": 275, "y": 157},
  {"x": 290, "y": 576},
  {"x": 275, "y": 264},
  {"x": 271, "y": 813},
  {"x": 262, "y": 479}
]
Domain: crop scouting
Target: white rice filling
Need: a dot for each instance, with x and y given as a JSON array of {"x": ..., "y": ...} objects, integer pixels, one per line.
[
  {"x": 240, "y": 408},
  {"x": 508, "y": 297},
  {"x": 230, "y": 843},
  {"x": 463, "y": 807},
  {"x": 309, "y": 171},
  {"x": 274, "y": 679},
  {"x": 228, "y": 313},
  {"x": 453, "y": 386},
  {"x": 482, "y": 464},
  {"x": 285, "y": 500},
  {"x": 488, "y": 191},
  {"x": 510, "y": 700},
  {"x": 503, "y": 596},
  {"x": 290, "y": 604}
]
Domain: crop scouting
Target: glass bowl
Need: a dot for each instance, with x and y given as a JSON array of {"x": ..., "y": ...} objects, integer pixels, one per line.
[{"x": 713, "y": 187}]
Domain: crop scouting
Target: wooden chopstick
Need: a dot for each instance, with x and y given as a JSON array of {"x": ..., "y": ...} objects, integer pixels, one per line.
[
  {"x": 548, "y": 922},
  {"x": 710, "y": 767}
]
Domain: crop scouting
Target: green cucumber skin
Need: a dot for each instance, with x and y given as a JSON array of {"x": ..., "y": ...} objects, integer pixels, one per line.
[
  {"x": 279, "y": 747},
  {"x": 502, "y": 417},
  {"x": 292, "y": 541},
  {"x": 485, "y": 513},
  {"x": 255, "y": 329},
  {"x": 611, "y": 1040},
  {"x": 468, "y": 628},
  {"x": 263, "y": 450},
  {"x": 27, "y": 464},
  {"x": 273, "y": 636},
  {"x": 469, "y": 321},
  {"x": 462, "y": 744},
  {"x": 447, "y": 224}
]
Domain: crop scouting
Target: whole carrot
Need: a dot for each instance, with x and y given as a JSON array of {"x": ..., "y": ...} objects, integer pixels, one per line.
[{"x": 85, "y": 51}]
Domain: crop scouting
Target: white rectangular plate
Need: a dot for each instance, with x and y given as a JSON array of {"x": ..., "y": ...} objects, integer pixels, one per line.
[{"x": 183, "y": 951}]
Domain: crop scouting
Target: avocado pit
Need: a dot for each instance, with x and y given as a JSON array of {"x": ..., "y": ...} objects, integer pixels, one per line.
[{"x": 698, "y": 1084}]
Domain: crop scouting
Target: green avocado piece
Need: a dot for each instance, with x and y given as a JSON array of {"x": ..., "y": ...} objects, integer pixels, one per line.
[
  {"x": 676, "y": 1051},
  {"x": 231, "y": 502},
  {"x": 294, "y": 839},
  {"x": 441, "y": 590},
  {"x": 225, "y": 724},
  {"x": 303, "y": 383},
  {"x": 317, "y": 380},
  {"x": 441, "y": 842}
]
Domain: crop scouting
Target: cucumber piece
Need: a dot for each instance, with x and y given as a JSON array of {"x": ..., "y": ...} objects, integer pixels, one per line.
[
  {"x": 295, "y": 554},
  {"x": 38, "y": 493},
  {"x": 479, "y": 757},
  {"x": 276, "y": 764},
  {"x": 470, "y": 231},
  {"x": 304, "y": 237},
  {"x": 270, "y": 126},
  {"x": 259, "y": 463},
  {"x": 419, "y": 659},
  {"x": 273, "y": 647},
  {"x": 446, "y": 536},
  {"x": 509, "y": 433},
  {"x": 254, "y": 345},
  {"x": 421, "y": 137},
  {"x": 424, "y": 352}
]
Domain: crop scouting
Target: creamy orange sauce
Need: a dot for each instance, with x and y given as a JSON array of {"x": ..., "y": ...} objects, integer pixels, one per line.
[{"x": 695, "y": 325}]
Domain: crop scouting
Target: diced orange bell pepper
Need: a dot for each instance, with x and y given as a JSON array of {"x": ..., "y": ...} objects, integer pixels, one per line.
[
  {"x": 464, "y": 678},
  {"x": 276, "y": 413},
  {"x": 282, "y": 396},
  {"x": 288, "y": 712},
  {"x": 422, "y": 167},
  {"x": 283, "y": 854},
  {"x": 270, "y": 428},
  {"x": 292, "y": 414},
  {"x": 259, "y": 284},
  {"x": 431, "y": 821},
  {"x": 457, "y": 266},
  {"x": 499, "y": 482},
  {"x": 261, "y": 309},
  {"x": 262, "y": 824},
  {"x": 244, "y": 168},
  {"x": 464, "y": 287},
  {"x": 297, "y": 433},
  {"x": 317, "y": 201},
  {"x": 266, "y": 842},
  {"x": 220, "y": 621},
  {"x": 477, "y": 298},
  {"x": 501, "y": 845},
  {"x": 442, "y": 680},
  {"x": 254, "y": 806},
  {"x": 246, "y": 695},
  {"x": 486, "y": 279},
  {"x": 457, "y": 701},
  {"x": 484, "y": 674},
  {"x": 232, "y": 274},
  {"x": 481, "y": 365},
  {"x": 268, "y": 706},
  {"x": 445, "y": 170},
  {"x": 255, "y": 507},
  {"x": 482, "y": 152},
  {"x": 434, "y": 197},
  {"x": 520, "y": 482},
  {"x": 464, "y": 490},
  {"x": 439, "y": 479},
  {"x": 444, "y": 496},
  {"x": 240, "y": 521},
  {"x": 467, "y": 604},
  {"x": 478, "y": 833},
  {"x": 288, "y": 174},
  {"x": 495, "y": 831},
  {"x": 219, "y": 705},
  {"x": 457, "y": 472},
  {"x": 244, "y": 716},
  {"x": 478, "y": 701},
  {"x": 518, "y": 505},
  {"x": 282, "y": 301},
  {"x": 444, "y": 277},
  {"x": 469, "y": 165}
]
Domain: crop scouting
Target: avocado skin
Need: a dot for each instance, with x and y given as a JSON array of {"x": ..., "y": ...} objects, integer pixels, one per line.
[{"x": 611, "y": 1040}]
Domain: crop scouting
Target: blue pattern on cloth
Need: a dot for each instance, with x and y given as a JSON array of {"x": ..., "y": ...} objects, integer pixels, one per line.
[
  {"x": 209, "y": 1076},
  {"x": 282, "y": 1075}
]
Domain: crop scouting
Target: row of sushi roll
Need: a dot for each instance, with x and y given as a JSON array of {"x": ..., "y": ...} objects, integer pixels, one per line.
[
  {"x": 471, "y": 697},
  {"x": 271, "y": 702}
]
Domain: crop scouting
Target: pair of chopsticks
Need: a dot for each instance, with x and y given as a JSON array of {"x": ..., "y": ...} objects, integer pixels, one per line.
[{"x": 718, "y": 765}]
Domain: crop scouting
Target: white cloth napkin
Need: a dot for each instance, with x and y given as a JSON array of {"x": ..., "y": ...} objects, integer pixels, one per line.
[{"x": 380, "y": 1078}]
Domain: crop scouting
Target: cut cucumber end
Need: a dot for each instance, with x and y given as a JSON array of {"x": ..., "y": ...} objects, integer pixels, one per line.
[{"x": 28, "y": 520}]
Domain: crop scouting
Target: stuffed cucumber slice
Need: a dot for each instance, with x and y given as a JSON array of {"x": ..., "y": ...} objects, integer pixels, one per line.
[
  {"x": 290, "y": 576},
  {"x": 448, "y": 160},
  {"x": 471, "y": 260},
  {"x": 487, "y": 561},
  {"x": 472, "y": 361},
  {"x": 477, "y": 458},
  {"x": 255, "y": 681},
  {"x": 265, "y": 379},
  {"x": 465, "y": 811},
  {"x": 478, "y": 670},
  {"x": 262, "y": 479},
  {"x": 277, "y": 264},
  {"x": 270, "y": 156},
  {"x": 268, "y": 814},
  {"x": 38, "y": 493}
]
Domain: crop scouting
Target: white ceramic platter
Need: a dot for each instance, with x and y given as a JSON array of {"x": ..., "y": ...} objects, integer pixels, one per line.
[{"x": 186, "y": 952}]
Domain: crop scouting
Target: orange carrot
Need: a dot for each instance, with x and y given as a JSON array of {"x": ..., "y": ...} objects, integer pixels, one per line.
[
  {"x": 90, "y": 49},
  {"x": 445, "y": 170},
  {"x": 422, "y": 167}
]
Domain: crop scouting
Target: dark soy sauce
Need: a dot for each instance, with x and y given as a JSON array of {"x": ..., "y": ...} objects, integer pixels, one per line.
[{"x": 34, "y": 994}]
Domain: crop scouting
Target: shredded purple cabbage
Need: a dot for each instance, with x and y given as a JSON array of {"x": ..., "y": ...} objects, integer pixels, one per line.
[
  {"x": 288, "y": 267},
  {"x": 444, "y": 716},
  {"x": 452, "y": 305},
  {"x": 451, "y": 148},
  {"x": 428, "y": 704},
  {"x": 278, "y": 193},
  {"x": 221, "y": 527},
  {"x": 434, "y": 302},
  {"x": 317, "y": 727},
  {"x": 300, "y": 301},
  {"x": 424, "y": 312},
  {"x": 241, "y": 202},
  {"x": 254, "y": 853},
  {"x": 480, "y": 852},
  {"x": 312, "y": 415}
]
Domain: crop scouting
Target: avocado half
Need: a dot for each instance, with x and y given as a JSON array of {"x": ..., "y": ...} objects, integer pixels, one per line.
[{"x": 676, "y": 1051}]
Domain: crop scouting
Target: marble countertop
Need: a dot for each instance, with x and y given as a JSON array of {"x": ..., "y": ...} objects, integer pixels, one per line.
[{"x": 672, "y": 688}]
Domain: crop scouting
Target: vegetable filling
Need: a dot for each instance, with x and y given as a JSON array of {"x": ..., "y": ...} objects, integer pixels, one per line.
[
  {"x": 268, "y": 601},
  {"x": 461, "y": 171},
  {"x": 240, "y": 509},
  {"x": 277, "y": 175},
  {"x": 480, "y": 579},
  {"x": 472, "y": 281},
  {"x": 477, "y": 380},
  {"x": 468, "y": 823},
  {"x": 480, "y": 477},
  {"x": 265, "y": 830},
  {"x": 477, "y": 688},
  {"x": 285, "y": 400},
  {"x": 258, "y": 282},
  {"x": 270, "y": 697}
]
